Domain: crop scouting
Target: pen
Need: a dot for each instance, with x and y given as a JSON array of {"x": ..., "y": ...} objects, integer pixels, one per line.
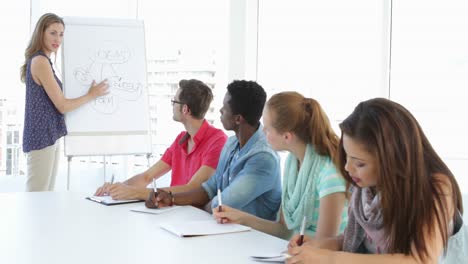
[
  {"x": 220, "y": 202},
  {"x": 154, "y": 186},
  {"x": 155, "y": 193},
  {"x": 303, "y": 226},
  {"x": 111, "y": 182}
]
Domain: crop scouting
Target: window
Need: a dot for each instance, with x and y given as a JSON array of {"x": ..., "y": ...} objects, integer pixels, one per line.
[
  {"x": 9, "y": 161},
  {"x": 14, "y": 23},
  {"x": 102, "y": 8},
  {"x": 338, "y": 53},
  {"x": 16, "y": 139},
  {"x": 429, "y": 65},
  {"x": 184, "y": 39},
  {"x": 334, "y": 51},
  {"x": 9, "y": 138}
]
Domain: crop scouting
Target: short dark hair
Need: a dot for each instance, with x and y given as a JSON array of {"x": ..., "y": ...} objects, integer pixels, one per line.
[
  {"x": 197, "y": 96},
  {"x": 247, "y": 99}
]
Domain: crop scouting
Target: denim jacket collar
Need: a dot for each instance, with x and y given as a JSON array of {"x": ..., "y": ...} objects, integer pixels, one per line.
[{"x": 252, "y": 140}]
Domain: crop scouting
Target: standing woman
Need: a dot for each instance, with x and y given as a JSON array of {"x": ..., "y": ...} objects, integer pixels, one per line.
[
  {"x": 405, "y": 206},
  {"x": 312, "y": 185},
  {"x": 45, "y": 104}
]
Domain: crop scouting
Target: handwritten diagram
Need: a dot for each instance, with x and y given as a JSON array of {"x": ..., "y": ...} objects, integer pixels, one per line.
[{"x": 102, "y": 65}]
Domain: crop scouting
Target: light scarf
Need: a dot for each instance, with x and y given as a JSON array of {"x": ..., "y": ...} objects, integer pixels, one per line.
[
  {"x": 299, "y": 187},
  {"x": 365, "y": 221}
]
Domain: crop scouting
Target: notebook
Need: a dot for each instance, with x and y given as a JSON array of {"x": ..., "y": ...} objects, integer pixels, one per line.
[
  {"x": 279, "y": 258},
  {"x": 144, "y": 209},
  {"x": 202, "y": 228},
  {"x": 107, "y": 200}
]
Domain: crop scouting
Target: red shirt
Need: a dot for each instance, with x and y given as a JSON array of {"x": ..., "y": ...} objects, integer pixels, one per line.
[{"x": 209, "y": 142}]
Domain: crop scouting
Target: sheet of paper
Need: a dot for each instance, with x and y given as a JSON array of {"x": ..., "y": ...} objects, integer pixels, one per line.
[
  {"x": 107, "y": 200},
  {"x": 202, "y": 228},
  {"x": 143, "y": 209},
  {"x": 279, "y": 258}
]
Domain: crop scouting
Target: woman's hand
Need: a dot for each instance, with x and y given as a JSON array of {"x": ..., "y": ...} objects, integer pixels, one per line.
[
  {"x": 307, "y": 253},
  {"x": 99, "y": 89},
  {"x": 103, "y": 190},
  {"x": 331, "y": 243},
  {"x": 229, "y": 215},
  {"x": 294, "y": 242}
]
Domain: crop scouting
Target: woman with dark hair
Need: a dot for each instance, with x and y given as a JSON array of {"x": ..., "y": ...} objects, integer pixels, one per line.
[
  {"x": 405, "y": 205},
  {"x": 45, "y": 103}
]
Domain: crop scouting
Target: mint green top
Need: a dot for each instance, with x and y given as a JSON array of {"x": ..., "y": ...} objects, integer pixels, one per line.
[{"x": 303, "y": 189}]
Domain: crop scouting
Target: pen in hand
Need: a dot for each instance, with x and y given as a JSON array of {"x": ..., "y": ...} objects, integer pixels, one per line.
[
  {"x": 110, "y": 183},
  {"x": 155, "y": 189},
  {"x": 220, "y": 207},
  {"x": 302, "y": 231},
  {"x": 220, "y": 202}
]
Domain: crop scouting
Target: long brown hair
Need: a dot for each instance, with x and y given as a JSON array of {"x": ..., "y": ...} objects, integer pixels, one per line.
[
  {"x": 406, "y": 165},
  {"x": 292, "y": 112},
  {"x": 36, "y": 42}
]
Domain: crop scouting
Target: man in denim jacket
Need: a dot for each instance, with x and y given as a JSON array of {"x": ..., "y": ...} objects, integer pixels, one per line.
[{"x": 248, "y": 172}]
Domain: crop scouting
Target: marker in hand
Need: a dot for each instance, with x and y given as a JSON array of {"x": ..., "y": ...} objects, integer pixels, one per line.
[{"x": 302, "y": 231}]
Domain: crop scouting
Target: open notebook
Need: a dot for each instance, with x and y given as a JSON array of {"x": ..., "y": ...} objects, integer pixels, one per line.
[
  {"x": 107, "y": 200},
  {"x": 202, "y": 228}
]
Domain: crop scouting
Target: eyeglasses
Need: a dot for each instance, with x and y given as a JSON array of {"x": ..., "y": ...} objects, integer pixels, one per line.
[{"x": 176, "y": 102}]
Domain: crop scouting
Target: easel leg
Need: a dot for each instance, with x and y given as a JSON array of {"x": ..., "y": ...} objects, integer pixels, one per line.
[
  {"x": 104, "y": 178},
  {"x": 148, "y": 155},
  {"x": 68, "y": 172}
]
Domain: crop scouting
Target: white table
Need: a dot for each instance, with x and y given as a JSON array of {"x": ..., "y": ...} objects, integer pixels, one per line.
[{"x": 64, "y": 227}]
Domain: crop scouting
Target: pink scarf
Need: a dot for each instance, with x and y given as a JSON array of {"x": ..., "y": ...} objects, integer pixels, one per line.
[{"x": 365, "y": 222}]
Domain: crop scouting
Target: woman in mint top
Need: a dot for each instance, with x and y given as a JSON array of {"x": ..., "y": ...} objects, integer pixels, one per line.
[
  {"x": 45, "y": 103},
  {"x": 312, "y": 186}
]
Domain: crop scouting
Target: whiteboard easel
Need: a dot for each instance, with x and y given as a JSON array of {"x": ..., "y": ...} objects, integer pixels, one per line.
[{"x": 117, "y": 123}]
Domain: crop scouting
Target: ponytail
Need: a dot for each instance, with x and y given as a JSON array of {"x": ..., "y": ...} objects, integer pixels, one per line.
[{"x": 304, "y": 117}]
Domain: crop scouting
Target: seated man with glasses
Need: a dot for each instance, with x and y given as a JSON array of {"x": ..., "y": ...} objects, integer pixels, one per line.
[
  {"x": 248, "y": 173},
  {"x": 192, "y": 157}
]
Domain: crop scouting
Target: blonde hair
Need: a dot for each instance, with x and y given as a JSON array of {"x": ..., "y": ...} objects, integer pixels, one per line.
[{"x": 37, "y": 39}]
